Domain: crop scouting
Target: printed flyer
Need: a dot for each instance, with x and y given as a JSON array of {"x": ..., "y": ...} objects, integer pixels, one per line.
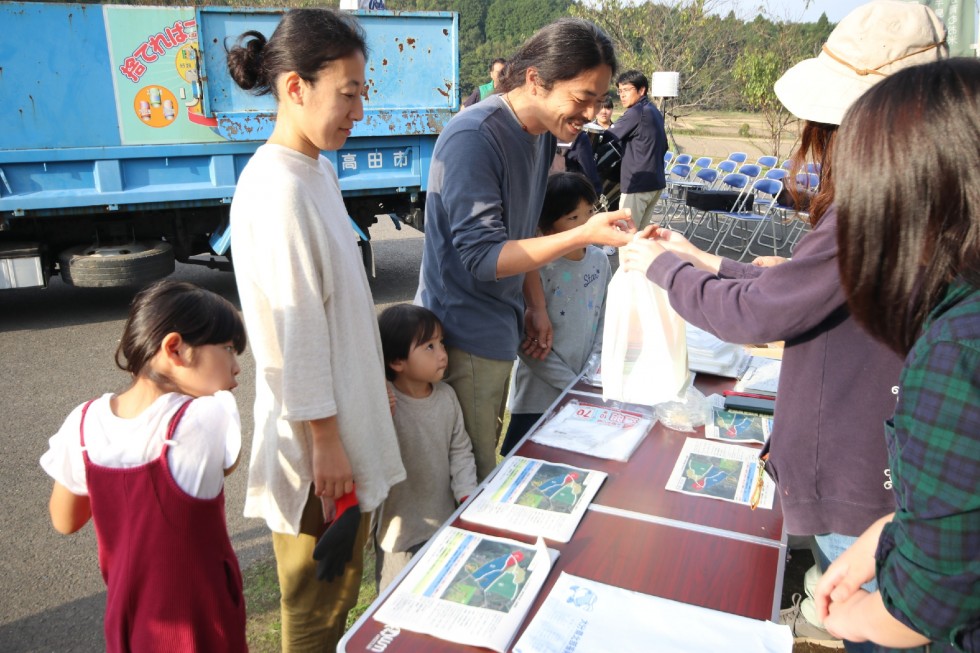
[
  {"x": 582, "y": 616},
  {"x": 727, "y": 426},
  {"x": 722, "y": 471},
  {"x": 469, "y": 588},
  {"x": 535, "y": 497}
]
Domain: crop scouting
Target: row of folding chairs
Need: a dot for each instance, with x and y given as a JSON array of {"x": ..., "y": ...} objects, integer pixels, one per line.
[
  {"x": 736, "y": 162},
  {"x": 743, "y": 230}
]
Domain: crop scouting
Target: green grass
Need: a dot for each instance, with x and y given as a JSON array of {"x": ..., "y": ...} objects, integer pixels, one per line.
[{"x": 261, "y": 586}]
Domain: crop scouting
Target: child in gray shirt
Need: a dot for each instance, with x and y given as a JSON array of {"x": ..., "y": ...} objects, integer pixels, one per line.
[
  {"x": 436, "y": 450},
  {"x": 575, "y": 291}
]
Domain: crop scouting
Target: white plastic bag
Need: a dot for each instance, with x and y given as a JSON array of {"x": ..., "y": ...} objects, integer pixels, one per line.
[{"x": 644, "y": 344}]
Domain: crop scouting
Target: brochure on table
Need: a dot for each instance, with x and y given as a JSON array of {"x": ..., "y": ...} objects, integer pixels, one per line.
[
  {"x": 594, "y": 430},
  {"x": 729, "y": 426},
  {"x": 535, "y": 497},
  {"x": 581, "y": 615},
  {"x": 469, "y": 588},
  {"x": 720, "y": 471}
]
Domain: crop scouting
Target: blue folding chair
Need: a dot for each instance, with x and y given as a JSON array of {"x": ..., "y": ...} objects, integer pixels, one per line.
[
  {"x": 727, "y": 167},
  {"x": 751, "y": 170},
  {"x": 668, "y": 157},
  {"x": 679, "y": 172},
  {"x": 787, "y": 164},
  {"x": 738, "y": 157},
  {"x": 733, "y": 181},
  {"x": 745, "y": 224},
  {"x": 767, "y": 161},
  {"x": 776, "y": 173},
  {"x": 683, "y": 158},
  {"x": 676, "y": 200},
  {"x": 703, "y": 162},
  {"x": 808, "y": 181},
  {"x": 792, "y": 221}
]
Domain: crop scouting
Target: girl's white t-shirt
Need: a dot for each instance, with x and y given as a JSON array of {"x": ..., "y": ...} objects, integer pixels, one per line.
[{"x": 206, "y": 442}]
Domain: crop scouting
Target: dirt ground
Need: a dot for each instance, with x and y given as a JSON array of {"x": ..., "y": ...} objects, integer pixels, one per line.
[{"x": 717, "y": 135}]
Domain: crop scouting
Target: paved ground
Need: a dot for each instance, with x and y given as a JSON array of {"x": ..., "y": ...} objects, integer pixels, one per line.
[{"x": 56, "y": 348}]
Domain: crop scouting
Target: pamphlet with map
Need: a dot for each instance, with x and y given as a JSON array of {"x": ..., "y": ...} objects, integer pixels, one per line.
[
  {"x": 727, "y": 426},
  {"x": 469, "y": 588},
  {"x": 722, "y": 471},
  {"x": 535, "y": 497}
]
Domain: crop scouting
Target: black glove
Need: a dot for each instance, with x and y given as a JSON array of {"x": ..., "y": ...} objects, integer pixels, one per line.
[{"x": 335, "y": 548}]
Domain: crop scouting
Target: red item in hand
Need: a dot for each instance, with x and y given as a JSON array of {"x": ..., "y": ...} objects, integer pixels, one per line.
[{"x": 335, "y": 548}]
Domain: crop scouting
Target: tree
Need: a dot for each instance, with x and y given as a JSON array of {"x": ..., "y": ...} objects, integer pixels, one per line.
[
  {"x": 757, "y": 72},
  {"x": 685, "y": 36},
  {"x": 514, "y": 21}
]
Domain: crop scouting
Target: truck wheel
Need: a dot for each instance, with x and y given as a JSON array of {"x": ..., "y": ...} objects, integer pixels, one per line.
[{"x": 135, "y": 264}]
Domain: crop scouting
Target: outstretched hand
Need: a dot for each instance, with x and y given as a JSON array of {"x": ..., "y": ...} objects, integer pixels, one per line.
[
  {"x": 614, "y": 228},
  {"x": 642, "y": 250}
]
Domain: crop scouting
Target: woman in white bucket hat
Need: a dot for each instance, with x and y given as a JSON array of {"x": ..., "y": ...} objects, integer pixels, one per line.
[{"x": 837, "y": 385}]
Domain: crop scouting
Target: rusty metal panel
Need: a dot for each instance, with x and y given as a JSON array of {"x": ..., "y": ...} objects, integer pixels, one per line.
[{"x": 412, "y": 73}]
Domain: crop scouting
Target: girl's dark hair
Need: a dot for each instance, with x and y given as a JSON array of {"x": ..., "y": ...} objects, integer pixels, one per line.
[
  {"x": 606, "y": 103},
  {"x": 402, "y": 326},
  {"x": 565, "y": 191},
  {"x": 816, "y": 147},
  {"x": 909, "y": 205},
  {"x": 559, "y": 51},
  {"x": 200, "y": 317},
  {"x": 305, "y": 41}
]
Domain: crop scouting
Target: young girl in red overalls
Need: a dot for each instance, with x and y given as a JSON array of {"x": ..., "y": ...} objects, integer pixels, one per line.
[{"x": 148, "y": 466}]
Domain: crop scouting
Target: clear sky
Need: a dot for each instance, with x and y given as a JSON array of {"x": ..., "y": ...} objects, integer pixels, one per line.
[{"x": 791, "y": 10}]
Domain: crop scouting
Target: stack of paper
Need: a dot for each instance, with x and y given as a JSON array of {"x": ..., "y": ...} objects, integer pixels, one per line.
[
  {"x": 594, "y": 430},
  {"x": 581, "y": 615},
  {"x": 535, "y": 497},
  {"x": 708, "y": 354},
  {"x": 762, "y": 376}
]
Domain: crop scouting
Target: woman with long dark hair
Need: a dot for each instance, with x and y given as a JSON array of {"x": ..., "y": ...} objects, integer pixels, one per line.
[
  {"x": 486, "y": 186},
  {"x": 909, "y": 253}
]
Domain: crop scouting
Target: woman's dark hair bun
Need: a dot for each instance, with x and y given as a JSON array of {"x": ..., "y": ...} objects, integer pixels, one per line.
[{"x": 245, "y": 62}]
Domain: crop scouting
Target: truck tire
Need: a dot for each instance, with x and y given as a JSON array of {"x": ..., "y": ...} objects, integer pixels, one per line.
[{"x": 135, "y": 264}]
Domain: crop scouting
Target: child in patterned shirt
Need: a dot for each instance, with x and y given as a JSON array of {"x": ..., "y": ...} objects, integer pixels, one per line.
[{"x": 575, "y": 291}]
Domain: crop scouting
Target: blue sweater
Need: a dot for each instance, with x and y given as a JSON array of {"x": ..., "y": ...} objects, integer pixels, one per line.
[
  {"x": 641, "y": 129},
  {"x": 486, "y": 186}
]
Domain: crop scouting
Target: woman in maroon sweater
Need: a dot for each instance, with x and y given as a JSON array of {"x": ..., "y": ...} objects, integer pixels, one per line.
[{"x": 838, "y": 385}]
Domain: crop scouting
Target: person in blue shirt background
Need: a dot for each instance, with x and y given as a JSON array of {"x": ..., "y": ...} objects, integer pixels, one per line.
[{"x": 641, "y": 130}]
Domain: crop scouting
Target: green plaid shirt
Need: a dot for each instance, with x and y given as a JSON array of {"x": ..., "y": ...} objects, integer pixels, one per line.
[{"x": 929, "y": 555}]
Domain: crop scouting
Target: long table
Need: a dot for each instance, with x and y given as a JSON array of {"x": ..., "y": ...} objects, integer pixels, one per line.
[{"x": 638, "y": 536}]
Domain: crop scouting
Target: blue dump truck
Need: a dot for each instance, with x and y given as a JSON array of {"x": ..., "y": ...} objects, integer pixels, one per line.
[{"x": 122, "y": 135}]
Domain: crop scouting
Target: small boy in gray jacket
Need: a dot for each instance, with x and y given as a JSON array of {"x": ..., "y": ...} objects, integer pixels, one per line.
[{"x": 436, "y": 450}]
